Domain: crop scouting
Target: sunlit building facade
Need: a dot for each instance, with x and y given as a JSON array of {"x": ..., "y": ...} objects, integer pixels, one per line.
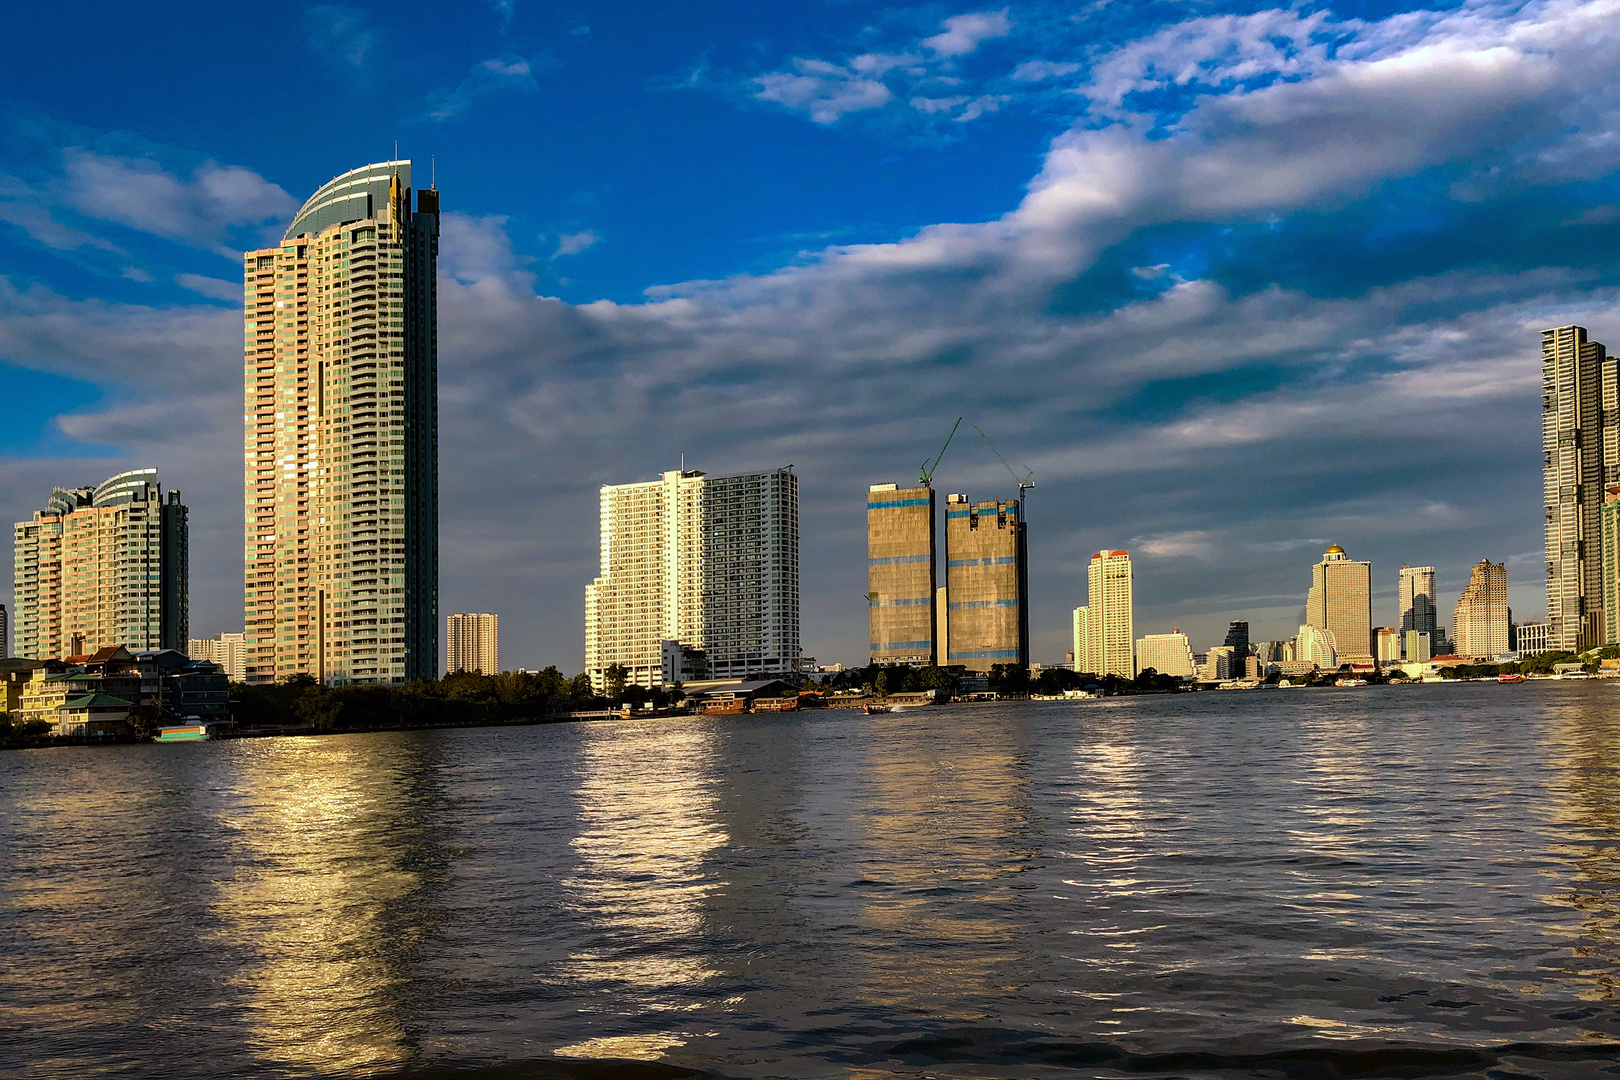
[
  {"x": 1480, "y": 629},
  {"x": 340, "y": 454},
  {"x": 986, "y": 583},
  {"x": 227, "y": 650},
  {"x": 1580, "y": 444},
  {"x": 1340, "y": 602},
  {"x": 900, "y": 574},
  {"x": 1167, "y": 654},
  {"x": 103, "y": 566},
  {"x": 472, "y": 642},
  {"x": 1111, "y": 618},
  {"x": 1082, "y": 639},
  {"x": 708, "y": 562}
]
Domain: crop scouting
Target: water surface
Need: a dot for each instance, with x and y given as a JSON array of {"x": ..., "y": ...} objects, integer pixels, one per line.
[{"x": 1385, "y": 881}]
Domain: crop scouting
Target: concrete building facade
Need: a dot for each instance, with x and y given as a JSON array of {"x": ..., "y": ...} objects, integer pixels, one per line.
[
  {"x": 472, "y": 643},
  {"x": 340, "y": 451},
  {"x": 986, "y": 584},
  {"x": 709, "y": 562},
  {"x": 1388, "y": 639},
  {"x": 1168, "y": 654},
  {"x": 1580, "y": 443},
  {"x": 1340, "y": 602},
  {"x": 1480, "y": 630},
  {"x": 1419, "y": 606},
  {"x": 1314, "y": 645},
  {"x": 1112, "y": 620},
  {"x": 1609, "y": 530},
  {"x": 900, "y": 574},
  {"x": 1532, "y": 638},
  {"x": 103, "y": 566},
  {"x": 228, "y": 651},
  {"x": 1082, "y": 640}
]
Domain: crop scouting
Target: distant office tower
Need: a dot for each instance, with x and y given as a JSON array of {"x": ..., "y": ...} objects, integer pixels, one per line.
[
  {"x": 1111, "y": 619},
  {"x": 1340, "y": 601},
  {"x": 711, "y": 562},
  {"x": 1168, "y": 654},
  {"x": 1388, "y": 639},
  {"x": 1315, "y": 645},
  {"x": 986, "y": 583},
  {"x": 472, "y": 643},
  {"x": 1580, "y": 444},
  {"x": 1220, "y": 663},
  {"x": 1237, "y": 636},
  {"x": 1419, "y": 608},
  {"x": 103, "y": 566},
  {"x": 341, "y": 449},
  {"x": 226, "y": 650},
  {"x": 1082, "y": 640},
  {"x": 900, "y": 575},
  {"x": 1481, "y": 625},
  {"x": 1532, "y": 638}
]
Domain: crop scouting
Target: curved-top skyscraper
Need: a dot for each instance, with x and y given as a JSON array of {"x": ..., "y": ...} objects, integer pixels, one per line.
[{"x": 340, "y": 452}]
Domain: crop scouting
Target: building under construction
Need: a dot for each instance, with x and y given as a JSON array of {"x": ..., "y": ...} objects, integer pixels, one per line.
[
  {"x": 986, "y": 584},
  {"x": 900, "y": 575}
]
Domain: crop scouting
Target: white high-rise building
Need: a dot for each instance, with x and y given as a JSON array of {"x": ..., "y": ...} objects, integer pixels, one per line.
[
  {"x": 1082, "y": 639},
  {"x": 1168, "y": 654},
  {"x": 227, "y": 650},
  {"x": 711, "y": 562},
  {"x": 1481, "y": 626},
  {"x": 1313, "y": 645},
  {"x": 1110, "y": 621},
  {"x": 473, "y": 643}
]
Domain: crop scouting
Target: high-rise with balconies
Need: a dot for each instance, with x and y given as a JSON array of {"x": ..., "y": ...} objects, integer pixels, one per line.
[
  {"x": 1480, "y": 629},
  {"x": 472, "y": 642},
  {"x": 1580, "y": 445},
  {"x": 1340, "y": 602},
  {"x": 103, "y": 566},
  {"x": 341, "y": 444}
]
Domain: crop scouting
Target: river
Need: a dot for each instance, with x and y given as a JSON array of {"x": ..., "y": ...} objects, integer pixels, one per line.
[{"x": 1406, "y": 881}]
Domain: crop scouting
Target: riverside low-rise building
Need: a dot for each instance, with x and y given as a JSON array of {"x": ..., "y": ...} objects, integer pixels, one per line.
[{"x": 95, "y": 694}]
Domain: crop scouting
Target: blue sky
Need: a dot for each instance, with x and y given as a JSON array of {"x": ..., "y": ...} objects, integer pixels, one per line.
[{"x": 1236, "y": 281}]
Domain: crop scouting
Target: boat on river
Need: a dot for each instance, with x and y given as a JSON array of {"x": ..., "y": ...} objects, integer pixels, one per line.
[
  {"x": 876, "y": 710},
  {"x": 185, "y": 733},
  {"x": 1510, "y": 676}
]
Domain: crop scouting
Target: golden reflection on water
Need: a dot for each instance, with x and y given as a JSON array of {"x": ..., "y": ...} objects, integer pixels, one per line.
[
  {"x": 1583, "y": 746},
  {"x": 947, "y": 833},
  {"x": 316, "y": 821},
  {"x": 647, "y": 824}
]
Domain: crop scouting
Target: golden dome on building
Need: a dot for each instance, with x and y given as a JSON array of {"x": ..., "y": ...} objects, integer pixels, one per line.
[{"x": 1335, "y": 550}]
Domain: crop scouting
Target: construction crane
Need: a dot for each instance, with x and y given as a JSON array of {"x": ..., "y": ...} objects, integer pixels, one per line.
[
  {"x": 1024, "y": 484},
  {"x": 926, "y": 476}
]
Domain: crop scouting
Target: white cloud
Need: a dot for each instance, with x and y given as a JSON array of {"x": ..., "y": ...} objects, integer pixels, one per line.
[
  {"x": 1041, "y": 70},
  {"x": 962, "y": 34},
  {"x": 343, "y": 36},
  {"x": 496, "y": 75},
  {"x": 824, "y": 91},
  {"x": 574, "y": 243},
  {"x": 214, "y": 288},
  {"x": 1192, "y": 544}
]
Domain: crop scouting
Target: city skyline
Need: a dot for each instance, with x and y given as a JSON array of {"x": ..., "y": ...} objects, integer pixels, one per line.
[{"x": 1380, "y": 396}]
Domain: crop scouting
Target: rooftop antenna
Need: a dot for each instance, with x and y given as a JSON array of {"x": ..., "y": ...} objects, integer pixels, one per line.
[
  {"x": 1024, "y": 484},
  {"x": 396, "y": 149},
  {"x": 433, "y": 172},
  {"x": 926, "y": 475}
]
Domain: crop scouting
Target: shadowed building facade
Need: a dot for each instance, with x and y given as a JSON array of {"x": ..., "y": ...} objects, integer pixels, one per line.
[
  {"x": 986, "y": 584},
  {"x": 103, "y": 566},
  {"x": 340, "y": 453},
  {"x": 900, "y": 574}
]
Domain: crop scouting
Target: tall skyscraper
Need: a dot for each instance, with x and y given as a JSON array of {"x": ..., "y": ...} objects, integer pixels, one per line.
[
  {"x": 1111, "y": 618},
  {"x": 1580, "y": 444},
  {"x": 709, "y": 562},
  {"x": 5, "y": 634},
  {"x": 1167, "y": 654},
  {"x": 1610, "y": 534},
  {"x": 341, "y": 454},
  {"x": 986, "y": 583},
  {"x": 1340, "y": 602},
  {"x": 103, "y": 566},
  {"x": 1082, "y": 639},
  {"x": 1237, "y": 636},
  {"x": 1481, "y": 626},
  {"x": 900, "y": 574},
  {"x": 1419, "y": 608},
  {"x": 473, "y": 643}
]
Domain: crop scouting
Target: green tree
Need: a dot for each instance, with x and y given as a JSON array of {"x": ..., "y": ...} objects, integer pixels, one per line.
[{"x": 616, "y": 675}]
